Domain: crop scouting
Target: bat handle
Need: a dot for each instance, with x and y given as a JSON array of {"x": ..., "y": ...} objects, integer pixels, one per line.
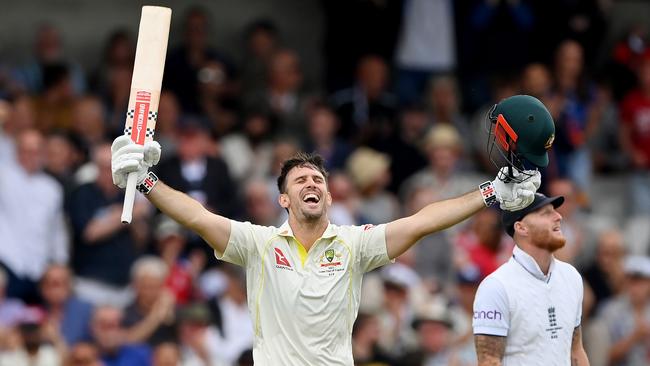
[{"x": 129, "y": 197}]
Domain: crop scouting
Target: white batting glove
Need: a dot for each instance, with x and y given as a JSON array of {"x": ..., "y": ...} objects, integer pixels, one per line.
[
  {"x": 127, "y": 157},
  {"x": 513, "y": 196}
]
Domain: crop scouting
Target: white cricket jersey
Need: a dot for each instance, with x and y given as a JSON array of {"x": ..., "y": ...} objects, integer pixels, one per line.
[
  {"x": 537, "y": 313},
  {"x": 303, "y": 304}
]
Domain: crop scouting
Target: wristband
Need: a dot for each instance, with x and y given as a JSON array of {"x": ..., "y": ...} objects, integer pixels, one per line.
[
  {"x": 488, "y": 192},
  {"x": 148, "y": 183}
]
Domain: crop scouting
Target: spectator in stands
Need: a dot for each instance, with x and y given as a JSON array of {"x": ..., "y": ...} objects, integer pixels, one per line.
[
  {"x": 605, "y": 276},
  {"x": 283, "y": 97},
  {"x": 627, "y": 316},
  {"x": 426, "y": 46},
  {"x": 166, "y": 354},
  {"x": 323, "y": 128},
  {"x": 261, "y": 39},
  {"x": 365, "y": 342},
  {"x": 571, "y": 105},
  {"x": 151, "y": 317},
  {"x": 62, "y": 158},
  {"x": 54, "y": 105},
  {"x": 261, "y": 208},
  {"x": 10, "y": 309},
  {"x": 483, "y": 247},
  {"x": 184, "y": 64},
  {"x": 536, "y": 80},
  {"x": 48, "y": 49},
  {"x": 400, "y": 286},
  {"x": 109, "y": 336},
  {"x": 94, "y": 210},
  {"x": 83, "y": 354},
  {"x": 433, "y": 324},
  {"x": 434, "y": 252},
  {"x": 230, "y": 314},
  {"x": 200, "y": 342},
  {"x": 70, "y": 315},
  {"x": 32, "y": 346},
  {"x": 171, "y": 242},
  {"x": 345, "y": 200},
  {"x": 89, "y": 121},
  {"x": 118, "y": 53},
  {"x": 16, "y": 117},
  {"x": 403, "y": 146},
  {"x": 443, "y": 101},
  {"x": 635, "y": 138},
  {"x": 169, "y": 116},
  {"x": 195, "y": 172},
  {"x": 248, "y": 153},
  {"x": 367, "y": 108},
  {"x": 444, "y": 148},
  {"x": 32, "y": 224},
  {"x": 370, "y": 173}
]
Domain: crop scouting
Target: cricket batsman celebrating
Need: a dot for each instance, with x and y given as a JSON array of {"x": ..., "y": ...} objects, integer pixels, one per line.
[{"x": 304, "y": 277}]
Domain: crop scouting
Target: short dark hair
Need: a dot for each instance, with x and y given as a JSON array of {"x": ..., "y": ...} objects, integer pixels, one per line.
[{"x": 301, "y": 159}]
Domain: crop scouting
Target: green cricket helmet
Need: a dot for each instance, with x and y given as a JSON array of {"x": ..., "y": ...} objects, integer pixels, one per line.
[{"x": 521, "y": 133}]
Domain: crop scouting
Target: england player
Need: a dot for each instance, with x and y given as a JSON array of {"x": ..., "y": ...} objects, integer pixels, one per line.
[
  {"x": 304, "y": 278},
  {"x": 528, "y": 311}
]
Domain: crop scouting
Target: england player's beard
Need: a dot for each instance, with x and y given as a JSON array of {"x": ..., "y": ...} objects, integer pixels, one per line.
[{"x": 546, "y": 240}]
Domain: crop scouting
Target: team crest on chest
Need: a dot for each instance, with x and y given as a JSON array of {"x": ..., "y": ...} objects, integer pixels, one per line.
[{"x": 330, "y": 261}]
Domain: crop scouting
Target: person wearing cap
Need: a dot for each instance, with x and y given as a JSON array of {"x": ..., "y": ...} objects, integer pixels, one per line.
[
  {"x": 434, "y": 325},
  {"x": 626, "y": 317},
  {"x": 528, "y": 311}
]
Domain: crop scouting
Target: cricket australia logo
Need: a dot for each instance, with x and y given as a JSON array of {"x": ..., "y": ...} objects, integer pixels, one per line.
[
  {"x": 330, "y": 262},
  {"x": 552, "y": 322}
]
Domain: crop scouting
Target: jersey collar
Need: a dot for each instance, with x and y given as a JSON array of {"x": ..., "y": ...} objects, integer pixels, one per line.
[
  {"x": 531, "y": 266},
  {"x": 285, "y": 230}
]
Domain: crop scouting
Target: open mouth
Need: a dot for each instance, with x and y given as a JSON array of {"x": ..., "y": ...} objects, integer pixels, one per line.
[{"x": 311, "y": 198}]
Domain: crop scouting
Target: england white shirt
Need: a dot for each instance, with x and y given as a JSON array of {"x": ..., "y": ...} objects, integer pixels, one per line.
[
  {"x": 537, "y": 313},
  {"x": 303, "y": 304}
]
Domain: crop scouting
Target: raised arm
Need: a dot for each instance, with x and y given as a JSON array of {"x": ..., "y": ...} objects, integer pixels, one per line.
[
  {"x": 401, "y": 234},
  {"x": 213, "y": 228},
  {"x": 129, "y": 157},
  {"x": 490, "y": 349},
  {"x": 578, "y": 354}
]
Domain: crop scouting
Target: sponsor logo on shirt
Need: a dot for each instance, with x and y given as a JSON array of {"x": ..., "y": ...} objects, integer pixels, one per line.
[
  {"x": 281, "y": 260},
  {"x": 489, "y": 314}
]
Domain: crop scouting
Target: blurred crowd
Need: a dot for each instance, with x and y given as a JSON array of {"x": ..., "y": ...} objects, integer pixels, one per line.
[{"x": 399, "y": 115}]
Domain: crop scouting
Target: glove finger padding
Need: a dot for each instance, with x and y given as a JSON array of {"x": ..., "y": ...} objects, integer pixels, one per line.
[
  {"x": 127, "y": 163},
  {"x": 152, "y": 152},
  {"x": 120, "y": 142}
]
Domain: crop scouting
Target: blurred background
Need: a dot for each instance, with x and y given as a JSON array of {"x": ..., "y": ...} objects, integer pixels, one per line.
[{"x": 393, "y": 93}]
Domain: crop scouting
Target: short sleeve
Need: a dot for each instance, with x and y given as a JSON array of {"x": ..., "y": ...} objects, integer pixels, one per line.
[
  {"x": 240, "y": 244},
  {"x": 491, "y": 309},
  {"x": 581, "y": 294},
  {"x": 372, "y": 247}
]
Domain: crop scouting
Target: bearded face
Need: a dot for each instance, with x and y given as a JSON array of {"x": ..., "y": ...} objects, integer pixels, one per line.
[
  {"x": 544, "y": 228},
  {"x": 307, "y": 197}
]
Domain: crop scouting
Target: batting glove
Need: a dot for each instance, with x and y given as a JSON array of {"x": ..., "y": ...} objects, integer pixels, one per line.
[
  {"x": 513, "y": 196},
  {"x": 127, "y": 157}
]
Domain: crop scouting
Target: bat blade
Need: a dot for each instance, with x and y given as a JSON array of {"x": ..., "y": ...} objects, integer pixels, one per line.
[{"x": 142, "y": 112}]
